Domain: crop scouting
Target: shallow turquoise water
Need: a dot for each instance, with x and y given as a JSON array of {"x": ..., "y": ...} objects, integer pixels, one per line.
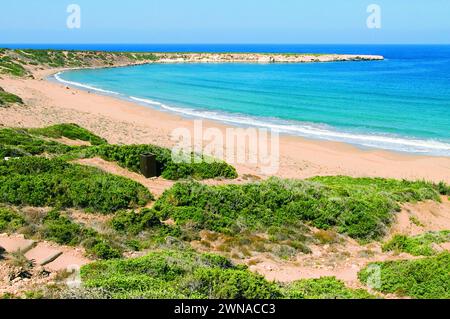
[{"x": 400, "y": 104}]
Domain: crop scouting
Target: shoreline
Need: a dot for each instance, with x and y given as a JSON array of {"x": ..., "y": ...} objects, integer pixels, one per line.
[
  {"x": 311, "y": 132},
  {"x": 126, "y": 122}
]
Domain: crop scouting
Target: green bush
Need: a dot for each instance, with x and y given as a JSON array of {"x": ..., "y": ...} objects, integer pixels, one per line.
[
  {"x": 361, "y": 208},
  {"x": 132, "y": 222},
  {"x": 426, "y": 278},
  {"x": 421, "y": 245},
  {"x": 10, "y": 221},
  {"x": 6, "y": 151},
  {"x": 147, "y": 225},
  {"x": 218, "y": 283},
  {"x": 71, "y": 131},
  {"x": 103, "y": 250},
  {"x": 42, "y": 182},
  {"x": 9, "y": 66},
  {"x": 60, "y": 229},
  {"x": 128, "y": 156},
  {"x": 9, "y": 98},
  {"x": 323, "y": 288},
  {"x": 176, "y": 274},
  {"x": 443, "y": 188},
  {"x": 18, "y": 142}
]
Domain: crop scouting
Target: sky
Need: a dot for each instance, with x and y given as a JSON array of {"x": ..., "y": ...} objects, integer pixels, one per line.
[{"x": 225, "y": 21}]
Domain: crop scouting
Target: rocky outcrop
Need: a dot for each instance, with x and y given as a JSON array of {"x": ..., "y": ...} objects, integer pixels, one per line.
[{"x": 260, "y": 58}]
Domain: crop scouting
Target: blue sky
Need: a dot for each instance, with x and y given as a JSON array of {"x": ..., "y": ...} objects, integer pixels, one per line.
[{"x": 230, "y": 21}]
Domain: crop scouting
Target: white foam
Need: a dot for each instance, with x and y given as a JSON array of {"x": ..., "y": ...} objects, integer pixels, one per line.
[
  {"x": 389, "y": 142},
  {"x": 81, "y": 85}
]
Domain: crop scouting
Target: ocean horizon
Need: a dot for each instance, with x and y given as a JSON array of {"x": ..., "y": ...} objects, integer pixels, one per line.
[{"x": 399, "y": 104}]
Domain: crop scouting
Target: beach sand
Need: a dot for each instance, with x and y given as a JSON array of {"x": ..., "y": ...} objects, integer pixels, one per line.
[{"x": 120, "y": 121}]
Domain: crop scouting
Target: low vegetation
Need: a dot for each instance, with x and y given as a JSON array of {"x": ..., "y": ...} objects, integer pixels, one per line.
[
  {"x": 128, "y": 156},
  {"x": 19, "y": 142},
  {"x": 139, "y": 230},
  {"x": 323, "y": 288},
  {"x": 131, "y": 222},
  {"x": 426, "y": 278},
  {"x": 185, "y": 274},
  {"x": 8, "y": 98},
  {"x": 10, "y": 221},
  {"x": 421, "y": 245},
  {"x": 175, "y": 274},
  {"x": 70, "y": 131},
  {"x": 23, "y": 142},
  {"x": 360, "y": 208},
  {"x": 444, "y": 189},
  {"x": 42, "y": 182},
  {"x": 10, "y": 66},
  {"x": 59, "y": 228},
  {"x": 18, "y": 62}
]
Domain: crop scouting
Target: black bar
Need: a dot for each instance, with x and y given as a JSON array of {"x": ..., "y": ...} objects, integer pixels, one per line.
[{"x": 174, "y": 309}]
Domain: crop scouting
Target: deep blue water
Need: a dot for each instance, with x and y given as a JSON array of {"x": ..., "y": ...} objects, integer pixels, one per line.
[{"x": 402, "y": 103}]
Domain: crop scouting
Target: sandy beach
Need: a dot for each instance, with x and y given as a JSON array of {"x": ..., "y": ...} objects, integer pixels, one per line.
[{"x": 120, "y": 121}]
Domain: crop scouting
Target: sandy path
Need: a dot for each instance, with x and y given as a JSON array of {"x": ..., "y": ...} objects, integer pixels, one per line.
[
  {"x": 418, "y": 218},
  {"x": 156, "y": 186},
  {"x": 56, "y": 258}
]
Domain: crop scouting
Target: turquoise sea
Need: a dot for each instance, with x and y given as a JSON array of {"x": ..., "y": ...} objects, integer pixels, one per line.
[{"x": 401, "y": 104}]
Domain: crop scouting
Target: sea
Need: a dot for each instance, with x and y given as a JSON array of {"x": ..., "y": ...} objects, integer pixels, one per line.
[{"x": 400, "y": 104}]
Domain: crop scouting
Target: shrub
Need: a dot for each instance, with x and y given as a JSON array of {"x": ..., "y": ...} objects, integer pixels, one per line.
[
  {"x": 103, "y": 250},
  {"x": 323, "y": 288},
  {"x": 443, "y": 188},
  {"x": 172, "y": 274},
  {"x": 128, "y": 156},
  {"x": 135, "y": 222},
  {"x": 360, "y": 208},
  {"x": 42, "y": 182},
  {"x": 9, "y": 66},
  {"x": 9, "y": 98},
  {"x": 71, "y": 131},
  {"x": 175, "y": 274},
  {"x": 421, "y": 245},
  {"x": 18, "y": 142},
  {"x": 217, "y": 283},
  {"x": 147, "y": 225},
  {"x": 326, "y": 236},
  {"x": 426, "y": 278},
  {"x": 10, "y": 221},
  {"x": 62, "y": 230}
]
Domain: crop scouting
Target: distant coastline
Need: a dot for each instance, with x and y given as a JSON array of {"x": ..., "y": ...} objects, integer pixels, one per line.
[{"x": 260, "y": 57}]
